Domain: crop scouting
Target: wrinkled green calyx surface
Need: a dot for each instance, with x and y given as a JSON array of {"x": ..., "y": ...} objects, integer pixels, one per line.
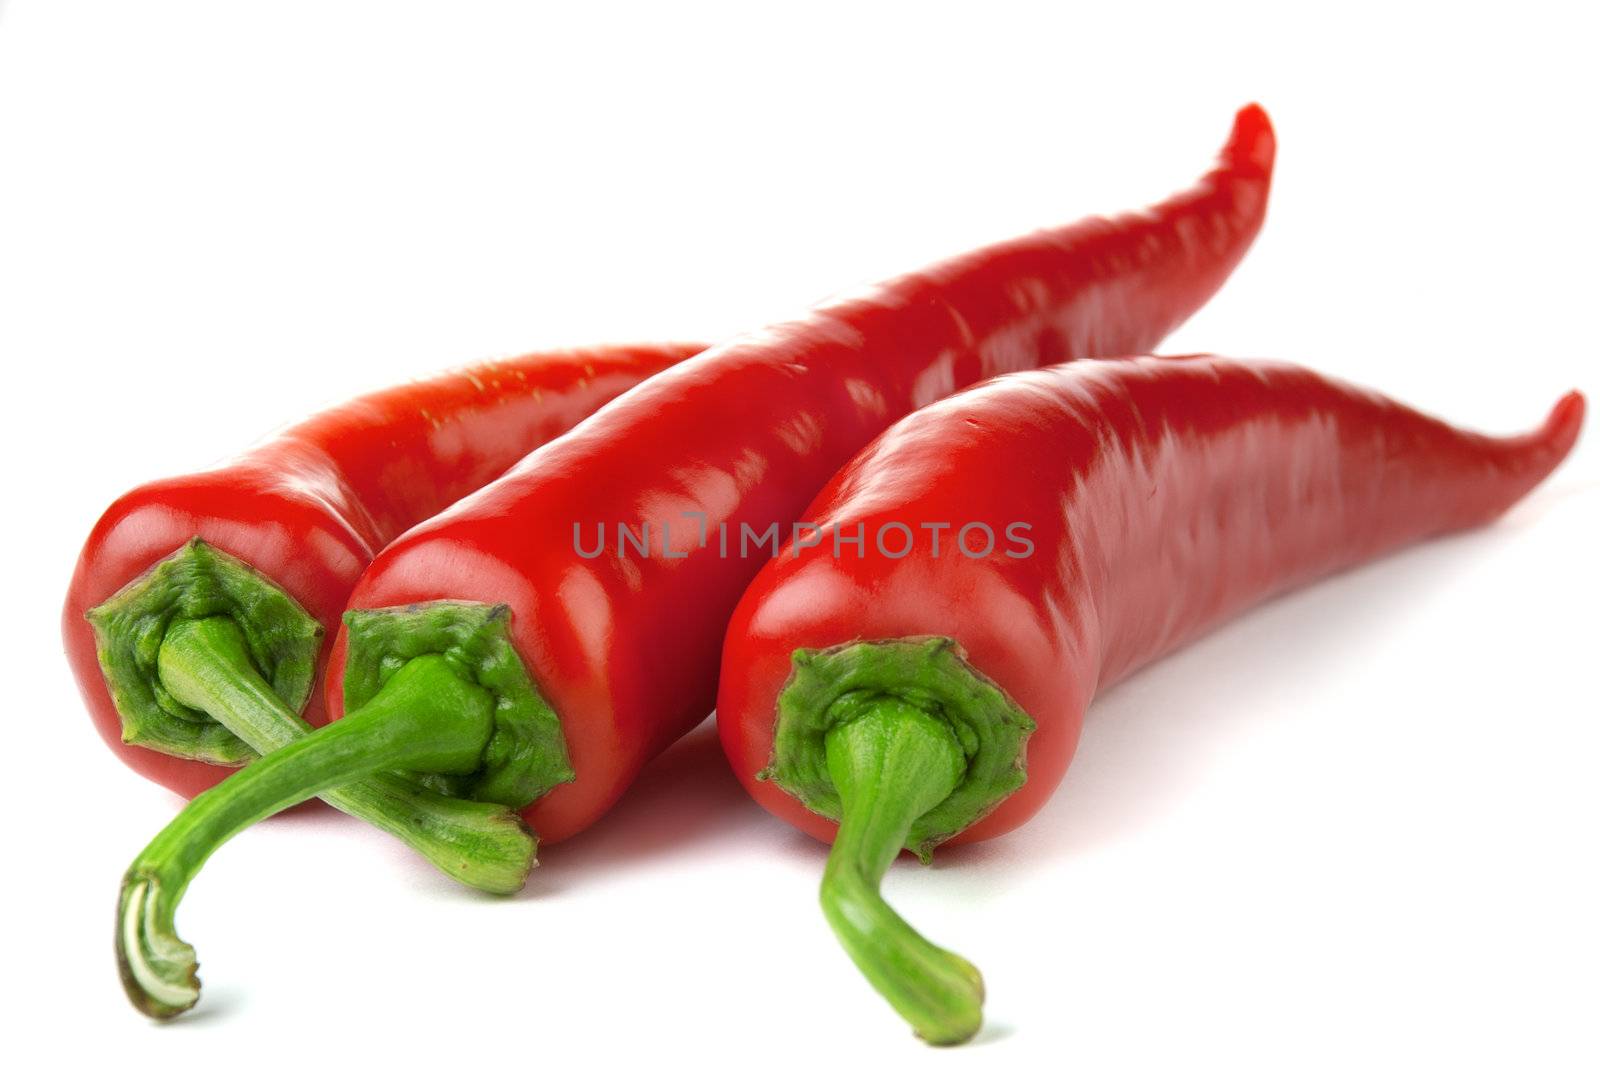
[
  {"x": 832, "y": 687},
  {"x": 194, "y": 582},
  {"x": 527, "y": 753}
]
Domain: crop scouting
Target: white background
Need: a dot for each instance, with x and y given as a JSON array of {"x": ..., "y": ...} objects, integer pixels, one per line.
[{"x": 1357, "y": 828}]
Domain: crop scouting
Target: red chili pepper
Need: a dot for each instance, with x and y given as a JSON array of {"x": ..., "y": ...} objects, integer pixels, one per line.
[
  {"x": 308, "y": 509},
  {"x": 565, "y": 671},
  {"x": 233, "y": 574},
  {"x": 1131, "y": 505}
]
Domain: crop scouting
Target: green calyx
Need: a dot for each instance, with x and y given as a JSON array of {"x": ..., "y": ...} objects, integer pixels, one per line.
[
  {"x": 832, "y": 687},
  {"x": 526, "y": 755},
  {"x": 193, "y": 583},
  {"x": 904, "y": 744}
]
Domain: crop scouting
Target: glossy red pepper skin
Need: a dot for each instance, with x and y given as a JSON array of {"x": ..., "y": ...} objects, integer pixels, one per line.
[
  {"x": 1164, "y": 495},
  {"x": 311, "y": 506},
  {"x": 626, "y": 650}
]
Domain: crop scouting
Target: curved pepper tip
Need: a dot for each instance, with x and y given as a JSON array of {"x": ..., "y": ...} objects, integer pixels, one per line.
[
  {"x": 1566, "y": 419},
  {"x": 1253, "y": 141}
]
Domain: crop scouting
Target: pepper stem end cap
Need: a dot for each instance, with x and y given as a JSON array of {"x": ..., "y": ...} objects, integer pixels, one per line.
[
  {"x": 833, "y": 686},
  {"x": 198, "y": 582},
  {"x": 526, "y": 754},
  {"x": 158, "y": 968}
]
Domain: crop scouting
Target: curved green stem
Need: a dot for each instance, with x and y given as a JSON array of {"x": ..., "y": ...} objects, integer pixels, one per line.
[
  {"x": 904, "y": 743},
  {"x": 426, "y": 719},
  {"x": 206, "y": 664},
  {"x": 891, "y": 764}
]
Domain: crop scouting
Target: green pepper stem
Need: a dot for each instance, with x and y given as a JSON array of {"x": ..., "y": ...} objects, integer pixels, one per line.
[
  {"x": 206, "y": 663},
  {"x": 891, "y": 765},
  {"x": 426, "y": 719}
]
